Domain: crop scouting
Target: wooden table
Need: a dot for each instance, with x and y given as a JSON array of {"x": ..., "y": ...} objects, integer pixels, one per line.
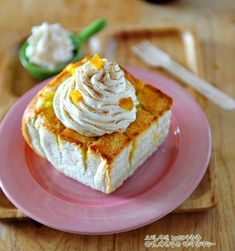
[{"x": 214, "y": 21}]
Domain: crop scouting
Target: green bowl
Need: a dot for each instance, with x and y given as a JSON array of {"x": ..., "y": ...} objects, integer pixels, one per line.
[{"x": 78, "y": 39}]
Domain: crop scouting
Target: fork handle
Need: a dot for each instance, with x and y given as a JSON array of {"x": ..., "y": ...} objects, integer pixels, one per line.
[{"x": 201, "y": 85}]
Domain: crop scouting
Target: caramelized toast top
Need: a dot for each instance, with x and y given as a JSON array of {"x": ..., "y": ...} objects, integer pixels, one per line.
[{"x": 153, "y": 104}]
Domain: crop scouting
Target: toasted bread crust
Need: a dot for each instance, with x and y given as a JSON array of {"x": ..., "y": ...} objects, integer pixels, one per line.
[
  {"x": 151, "y": 98},
  {"x": 154, "y": 100},
  {"x": 153, "y": 103},
  {"x": 143, "y": 121},
  {"x": 110, "y": 146},
  {"x": 75, "y": 138}
]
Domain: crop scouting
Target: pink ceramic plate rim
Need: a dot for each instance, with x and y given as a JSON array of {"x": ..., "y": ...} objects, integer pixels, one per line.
[{"x": 181, "y": 180}]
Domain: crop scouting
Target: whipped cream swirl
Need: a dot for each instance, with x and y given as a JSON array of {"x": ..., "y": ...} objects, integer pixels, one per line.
[
  {"x": 99, "y": 111},
  {"x": 49, "y": 45}
]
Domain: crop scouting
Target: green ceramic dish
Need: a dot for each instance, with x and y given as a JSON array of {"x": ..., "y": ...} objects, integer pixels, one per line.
[{"x": 78, "y": 39}]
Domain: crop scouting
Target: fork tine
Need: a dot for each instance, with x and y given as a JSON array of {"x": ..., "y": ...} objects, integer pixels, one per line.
[
  {"x": 150, "y": 53},
  {"x": 141, "y": 52},
  {"x": 155, "y": 49},
  {"x": 144, "y": 45},
  {"x": 136, "y": 50},
  {"x": 147, "y": 48},
  {"x": 147, "y": 43},
  {"x": 141, "y": 46}
]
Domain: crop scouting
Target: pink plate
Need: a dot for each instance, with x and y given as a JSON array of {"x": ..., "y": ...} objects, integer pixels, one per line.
[{"x": 164, "y": 181}]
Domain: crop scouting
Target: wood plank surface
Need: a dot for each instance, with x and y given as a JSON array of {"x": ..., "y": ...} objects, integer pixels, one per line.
[{"x": 214, "y": 21}]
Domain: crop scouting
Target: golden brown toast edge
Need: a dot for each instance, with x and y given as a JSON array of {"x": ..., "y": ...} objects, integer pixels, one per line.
[
  {"x": 148, "y": 95},
  {"x": 31, "y": 110},
  {"x": 152, "y": 99}
]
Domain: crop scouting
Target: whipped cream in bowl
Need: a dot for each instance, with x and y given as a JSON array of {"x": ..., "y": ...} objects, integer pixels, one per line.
[
  {"x": 49, "y": 45},
  {"x": 97, "y": 99}
]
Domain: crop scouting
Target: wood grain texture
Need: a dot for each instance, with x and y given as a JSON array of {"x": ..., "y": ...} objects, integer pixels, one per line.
[{"x": 214, "y": 21}]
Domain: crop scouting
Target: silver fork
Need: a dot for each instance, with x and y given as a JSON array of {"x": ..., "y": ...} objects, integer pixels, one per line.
[{"x": 155, "y": 57}]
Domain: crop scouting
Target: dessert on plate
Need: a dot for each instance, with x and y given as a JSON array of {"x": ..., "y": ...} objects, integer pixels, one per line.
[{"x": 96, "y": 123}]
